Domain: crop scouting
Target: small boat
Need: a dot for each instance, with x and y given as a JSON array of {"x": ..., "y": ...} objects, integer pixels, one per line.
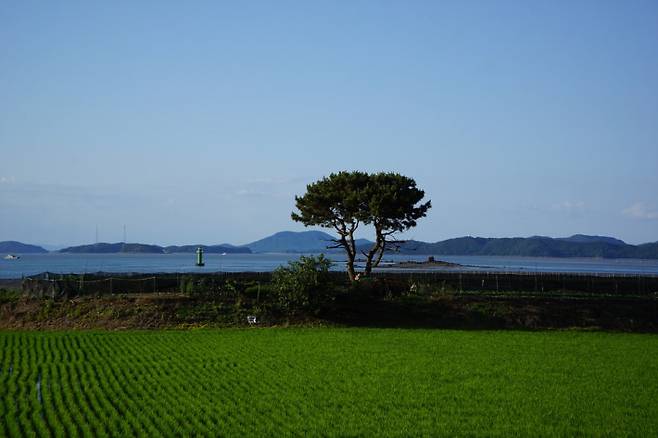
[{"x": 11, "y": 257}]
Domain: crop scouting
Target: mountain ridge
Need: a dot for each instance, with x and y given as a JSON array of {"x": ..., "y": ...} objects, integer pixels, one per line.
[
  {"x": 314, "y": 241},
  {"x": 12, "y": 246},
  {"x": 113, "y": 248},
  {"x": 298, "y": 242}
]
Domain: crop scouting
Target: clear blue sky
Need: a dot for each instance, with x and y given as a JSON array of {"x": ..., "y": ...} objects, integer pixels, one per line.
[{"x": 199, "y": 121}]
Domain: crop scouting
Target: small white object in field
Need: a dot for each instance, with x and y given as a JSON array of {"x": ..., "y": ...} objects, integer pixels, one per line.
[{"x": 251, "y": 319}]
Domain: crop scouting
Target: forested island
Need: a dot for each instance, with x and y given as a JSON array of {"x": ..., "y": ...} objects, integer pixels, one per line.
[
  {"x": 110, "y": 248},
  {"x": 578, "y": 245}
]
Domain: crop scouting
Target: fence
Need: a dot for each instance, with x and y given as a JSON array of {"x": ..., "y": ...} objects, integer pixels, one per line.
[
  {"x": 531, "y": 282},
  {"x": 54, "y": 285}
]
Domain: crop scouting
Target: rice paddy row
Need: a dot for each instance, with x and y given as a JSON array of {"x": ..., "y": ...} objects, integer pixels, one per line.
[{"x": 328, "y": 382}]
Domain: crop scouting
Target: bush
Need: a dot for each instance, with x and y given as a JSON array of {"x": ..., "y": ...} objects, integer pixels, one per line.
[
  {"x": 303, "y": 285},
  {"x": 9, "y": 295},
  {"x": 259, "y": 292},
  {"x": 191, "y": 285}
]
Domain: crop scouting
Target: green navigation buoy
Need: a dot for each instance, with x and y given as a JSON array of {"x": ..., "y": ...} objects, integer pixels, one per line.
[{"x": 199, "y": 256}]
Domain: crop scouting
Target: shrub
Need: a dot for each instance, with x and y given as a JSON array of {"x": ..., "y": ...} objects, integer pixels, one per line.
[
  {"x": 303, "y": 285},
  {"x": 259, "y": 292},
  {"x": 9, "y": 295}
]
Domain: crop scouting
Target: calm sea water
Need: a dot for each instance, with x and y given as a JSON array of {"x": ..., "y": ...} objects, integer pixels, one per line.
[{"x": 30, "y": 264}]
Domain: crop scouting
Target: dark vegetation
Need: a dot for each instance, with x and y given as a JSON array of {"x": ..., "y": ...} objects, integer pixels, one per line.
[{"x": 306, "y": 292}]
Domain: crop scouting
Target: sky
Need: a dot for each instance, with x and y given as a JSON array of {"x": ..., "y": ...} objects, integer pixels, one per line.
[{"x": 198, "y": 122}]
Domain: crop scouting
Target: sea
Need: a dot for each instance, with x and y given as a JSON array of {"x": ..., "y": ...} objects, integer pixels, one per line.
[{"x": 32, "y": 264}]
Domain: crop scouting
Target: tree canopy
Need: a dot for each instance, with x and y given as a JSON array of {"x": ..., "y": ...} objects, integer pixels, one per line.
[{"x": 344, "y": 201}]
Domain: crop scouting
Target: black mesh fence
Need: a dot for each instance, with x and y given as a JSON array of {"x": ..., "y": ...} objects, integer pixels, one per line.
[
  {"x": 530, "y": 282},
  {"x": 55, "y": 285}
]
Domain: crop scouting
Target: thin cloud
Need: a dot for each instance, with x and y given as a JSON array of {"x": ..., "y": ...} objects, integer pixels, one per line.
[
  {"x": 640, "y": 210},
  {"x": 276, "y": 180},
  {"x": 48, "y": 195},
  {"x": 570, "y": 207},
  {"x": 251, "y": 193}
]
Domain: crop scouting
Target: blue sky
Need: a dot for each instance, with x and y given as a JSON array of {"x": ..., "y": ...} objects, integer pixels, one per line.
[{"x": 200, "y": 121}]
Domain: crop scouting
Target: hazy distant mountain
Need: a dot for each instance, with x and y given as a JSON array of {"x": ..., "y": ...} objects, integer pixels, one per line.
[
  {"x": 646, "y": 251},
  {"x": 52, "y": 248},
  {"x": 210, "y": 249},
  {"x": 13, "y": 247},
  {"x": 111, "y": 248},
  {"x": 536, "y": 246},
  {"x": 291, "y": 241},
  {"x": 578, "y": 245},
  {"x": 582, "y": 238}
]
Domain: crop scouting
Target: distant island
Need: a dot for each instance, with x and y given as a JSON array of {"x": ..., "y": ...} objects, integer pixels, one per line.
[
  {"x": 537, "y": 246},
  {"x": 298, "y": 242},
  {"x": 13, "y": 247},
  {"x": 578, "y": 245},
  {"x": 429, "y": 263},
  {"x": 113, "y": 248}
]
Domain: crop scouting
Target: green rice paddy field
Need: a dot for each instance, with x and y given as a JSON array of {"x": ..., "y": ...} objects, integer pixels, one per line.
[{"x": 330, "y": 382}]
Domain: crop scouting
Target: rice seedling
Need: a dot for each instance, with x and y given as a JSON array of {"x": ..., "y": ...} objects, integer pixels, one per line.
[{"x": 328, "y": 382}]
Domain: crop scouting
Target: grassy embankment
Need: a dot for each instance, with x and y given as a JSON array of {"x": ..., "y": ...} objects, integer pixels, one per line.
[
  {"x": 344, "y": 382},
  {"x": 478, "y": 310}
]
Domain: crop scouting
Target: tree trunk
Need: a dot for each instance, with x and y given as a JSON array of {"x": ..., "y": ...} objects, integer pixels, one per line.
[
  {"x": 374, "y": 250},
  {"x": 347, "y": 242},
  {"x": 351, "y": 273}
]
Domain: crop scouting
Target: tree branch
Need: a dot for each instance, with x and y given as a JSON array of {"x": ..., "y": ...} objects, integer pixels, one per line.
[{"x": 380, "y": 255}]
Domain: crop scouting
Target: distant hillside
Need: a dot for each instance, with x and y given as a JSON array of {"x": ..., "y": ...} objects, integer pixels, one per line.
[
  {"x": 297, "y": 242},
  {"x": 109, "y": 248},
  {"x": 112, "y": 248},
  {"x": 212, "y": 249},
  {"x": 537, "y": 246},
  {"x": 578, "y": 245},
  {"x": 582, "y": 238},
  {"x": 646, "y": 251},
  {"x": 290, "y": 241},
  {"x": 13, "y": 247}
]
